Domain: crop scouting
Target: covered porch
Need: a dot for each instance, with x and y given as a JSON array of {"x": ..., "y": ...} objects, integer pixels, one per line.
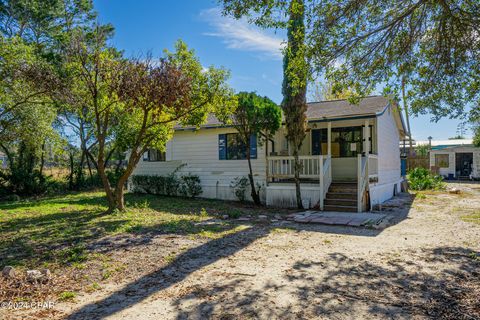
[{"x": 338, "y": 159}]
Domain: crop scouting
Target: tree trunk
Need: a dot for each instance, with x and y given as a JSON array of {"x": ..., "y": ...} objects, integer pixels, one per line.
[
  {"x": 296, "y": 179},
  {"x": 106, "y": 185},
  {"x": 119, "y": 188},
  {"x": 294, "y": 87},
  {"x": 254, "y": 193},
  {"x": 407, "y": 117},
  {"x": 72, "y": 169},
  {"x": 42, "y": 159}
]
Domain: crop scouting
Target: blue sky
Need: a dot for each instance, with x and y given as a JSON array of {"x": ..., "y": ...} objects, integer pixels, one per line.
[{"x": 252, "y": 55}]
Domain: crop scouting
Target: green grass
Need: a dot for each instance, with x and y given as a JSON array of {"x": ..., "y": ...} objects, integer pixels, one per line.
[
  {"x": 67, "y": 296},
  {"x": 473, "y": 217},
  {"x": 57, "y": 230}
]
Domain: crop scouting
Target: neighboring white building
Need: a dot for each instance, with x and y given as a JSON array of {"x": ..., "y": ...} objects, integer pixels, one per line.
[
  {"x": 350, "y": 157},
  {"x": 457, "y": 158}
]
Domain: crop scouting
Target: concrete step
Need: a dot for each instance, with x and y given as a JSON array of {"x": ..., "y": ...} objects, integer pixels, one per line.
[
  {"x": 340, "y": 208},
  {"x": 342, "y": 195},
  {"x": 341, "y": 202}
]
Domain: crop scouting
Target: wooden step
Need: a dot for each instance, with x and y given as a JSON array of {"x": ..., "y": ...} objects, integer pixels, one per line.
[
  {"x": 340, "y": 208},
  {"x": 343, "y": 188},
  {"x": 341, "y": 202},
  {"x": 342, "y": 195}
]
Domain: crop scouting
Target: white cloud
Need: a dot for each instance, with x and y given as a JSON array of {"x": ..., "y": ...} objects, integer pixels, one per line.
[{"x": 240, "y": 35}]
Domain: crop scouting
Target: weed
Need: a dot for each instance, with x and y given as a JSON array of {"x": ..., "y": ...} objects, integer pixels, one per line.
[
  {"x": 67, "y": 296},
  {"x": 169, "y": 258},
  {"x": 203, "y": 213}
]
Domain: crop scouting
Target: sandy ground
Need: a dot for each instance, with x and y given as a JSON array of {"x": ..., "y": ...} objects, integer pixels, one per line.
[{"x": 425, "y": 265}]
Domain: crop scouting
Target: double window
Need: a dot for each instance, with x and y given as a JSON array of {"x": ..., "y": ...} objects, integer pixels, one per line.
[
  {"x": 346, "y": 142},
  {"x": 154, "y": 155},
  {"x": 231, "y": 147}
]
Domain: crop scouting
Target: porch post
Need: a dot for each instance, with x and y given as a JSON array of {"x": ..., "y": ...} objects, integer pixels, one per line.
[
  {"x": 329, "y": 138},
  {"x": 366, "y": 136},
  {"x": 320, "y": 169}
]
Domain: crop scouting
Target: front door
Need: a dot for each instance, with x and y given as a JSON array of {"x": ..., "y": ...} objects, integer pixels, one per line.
[{"x": 463, "y": 164}]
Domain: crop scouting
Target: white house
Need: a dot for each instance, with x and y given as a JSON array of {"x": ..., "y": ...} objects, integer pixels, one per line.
[
  {"x": 457, "y": 158},
  {"x": 350, "y": 157}
]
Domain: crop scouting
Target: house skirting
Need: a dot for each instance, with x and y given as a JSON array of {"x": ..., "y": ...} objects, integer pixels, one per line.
[
  {"x": 382, "y": 192},
  {"x": 282, "y": 195}
]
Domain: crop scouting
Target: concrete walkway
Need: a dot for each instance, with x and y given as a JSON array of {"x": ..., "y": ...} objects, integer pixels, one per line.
[{"x": 375, "y": 220}]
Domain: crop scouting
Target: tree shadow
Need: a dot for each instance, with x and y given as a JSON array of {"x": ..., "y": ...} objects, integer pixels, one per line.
[
  {"x": 250, "y": 302},
  {"x": 347, "y": 288},
  {"x": 161, "y": 279}
]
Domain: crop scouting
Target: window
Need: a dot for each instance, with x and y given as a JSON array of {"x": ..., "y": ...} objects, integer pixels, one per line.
[
  {"x": 231, "y": 147},
  {"x": 346, "y": 142},
  {"x": 441, "y": 160},
  {"x": 154, "y": 155}
]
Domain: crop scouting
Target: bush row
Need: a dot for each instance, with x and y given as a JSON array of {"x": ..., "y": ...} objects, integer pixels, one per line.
[{"x": 171, "y": 185}]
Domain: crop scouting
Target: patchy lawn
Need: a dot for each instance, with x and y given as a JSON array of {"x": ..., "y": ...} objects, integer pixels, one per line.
[
  {"x": 171, "y": 258},
  {"x": 73, "y": 237}
]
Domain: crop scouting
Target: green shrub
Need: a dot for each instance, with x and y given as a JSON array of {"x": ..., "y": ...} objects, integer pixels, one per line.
[
  {"x": 190, "y": 186},
  {"x": 239, "y": 186},
  {"x": 423, "y": 179},
  {"x": 171, "y": 185}
]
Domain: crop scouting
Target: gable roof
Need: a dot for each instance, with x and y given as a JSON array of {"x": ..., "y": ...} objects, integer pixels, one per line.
[{"x": 324, "y": 110}]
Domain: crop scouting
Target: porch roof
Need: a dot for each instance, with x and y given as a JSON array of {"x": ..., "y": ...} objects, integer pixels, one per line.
[
  {"x": 369, "y": 106},
  {"x": 317, "y": 111}
]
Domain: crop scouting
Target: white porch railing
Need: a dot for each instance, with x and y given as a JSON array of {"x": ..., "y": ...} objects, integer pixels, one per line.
[
  {"x": 283, "y": 167},
  {"x": 367, "y": 169},
  {"x": 373, "y": 166},
  {"x": 312, "y": 167},
  {"x": 362, "y": 180},
  {"x": 325, "y": 177}
]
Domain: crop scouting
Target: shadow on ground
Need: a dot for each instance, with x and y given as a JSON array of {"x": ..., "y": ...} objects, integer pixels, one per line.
[
  {"x": 339, "y": 285},
  {"x": 344, "y": 288}
]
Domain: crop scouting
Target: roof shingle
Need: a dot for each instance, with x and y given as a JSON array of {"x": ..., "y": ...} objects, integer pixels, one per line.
[{"x": 327, "y": 109}]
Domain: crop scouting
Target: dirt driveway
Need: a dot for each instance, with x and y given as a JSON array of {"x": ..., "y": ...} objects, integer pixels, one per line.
[{"x": 425, "y": 265}]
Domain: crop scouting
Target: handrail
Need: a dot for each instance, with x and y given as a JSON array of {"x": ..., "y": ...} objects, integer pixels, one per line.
[
  {"x": 362, "y": 179},
  {"x": 372, "y": 166},
  {"x": 325, "y": 178}
]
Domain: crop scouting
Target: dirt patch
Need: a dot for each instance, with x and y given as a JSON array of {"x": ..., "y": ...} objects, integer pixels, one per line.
[{"x": 425, "y": 265}]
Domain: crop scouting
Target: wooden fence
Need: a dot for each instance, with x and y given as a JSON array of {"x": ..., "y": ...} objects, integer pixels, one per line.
[{"x": 418, "y": 162}]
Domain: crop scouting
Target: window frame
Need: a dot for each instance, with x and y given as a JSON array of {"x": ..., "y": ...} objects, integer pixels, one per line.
[
  {"x": 438, "y": 162},
  {"x": 148, "y": 156},
  {"x": 225, "y": 151},
  {"x": 323, "y": 138}
]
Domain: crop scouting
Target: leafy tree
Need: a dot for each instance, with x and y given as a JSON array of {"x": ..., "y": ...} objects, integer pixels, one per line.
[
  {"x": 294, "y": 87},
  {"x": 31, "y": 35},
  {"x": 422, "y": 150},
  {"x": 290, "y": 15},
  {"x": 134, "y": 104},
  {"x": 432, "y": 47},
  {"x": 325, "y": 91},
  {"x": 255, "y": 116}
]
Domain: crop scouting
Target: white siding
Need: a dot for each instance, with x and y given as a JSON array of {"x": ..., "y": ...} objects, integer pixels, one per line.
[
  {"x": 451, "y": 162},
  {"x": 199, "y": 151},
  {"x": 389, "y": 173}
]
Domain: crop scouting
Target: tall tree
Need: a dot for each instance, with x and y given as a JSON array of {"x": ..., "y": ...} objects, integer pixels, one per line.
[
  {"x": 432, "y": 47},
  {"x": 31, "y": 36},
  {"x": 290, "y": 15},
  {"x": 257, "y": 117},
  {"x": 294, "y": 87},
  {"x": 325, "y": 91},
  {"x": 135, "y": 103}
]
